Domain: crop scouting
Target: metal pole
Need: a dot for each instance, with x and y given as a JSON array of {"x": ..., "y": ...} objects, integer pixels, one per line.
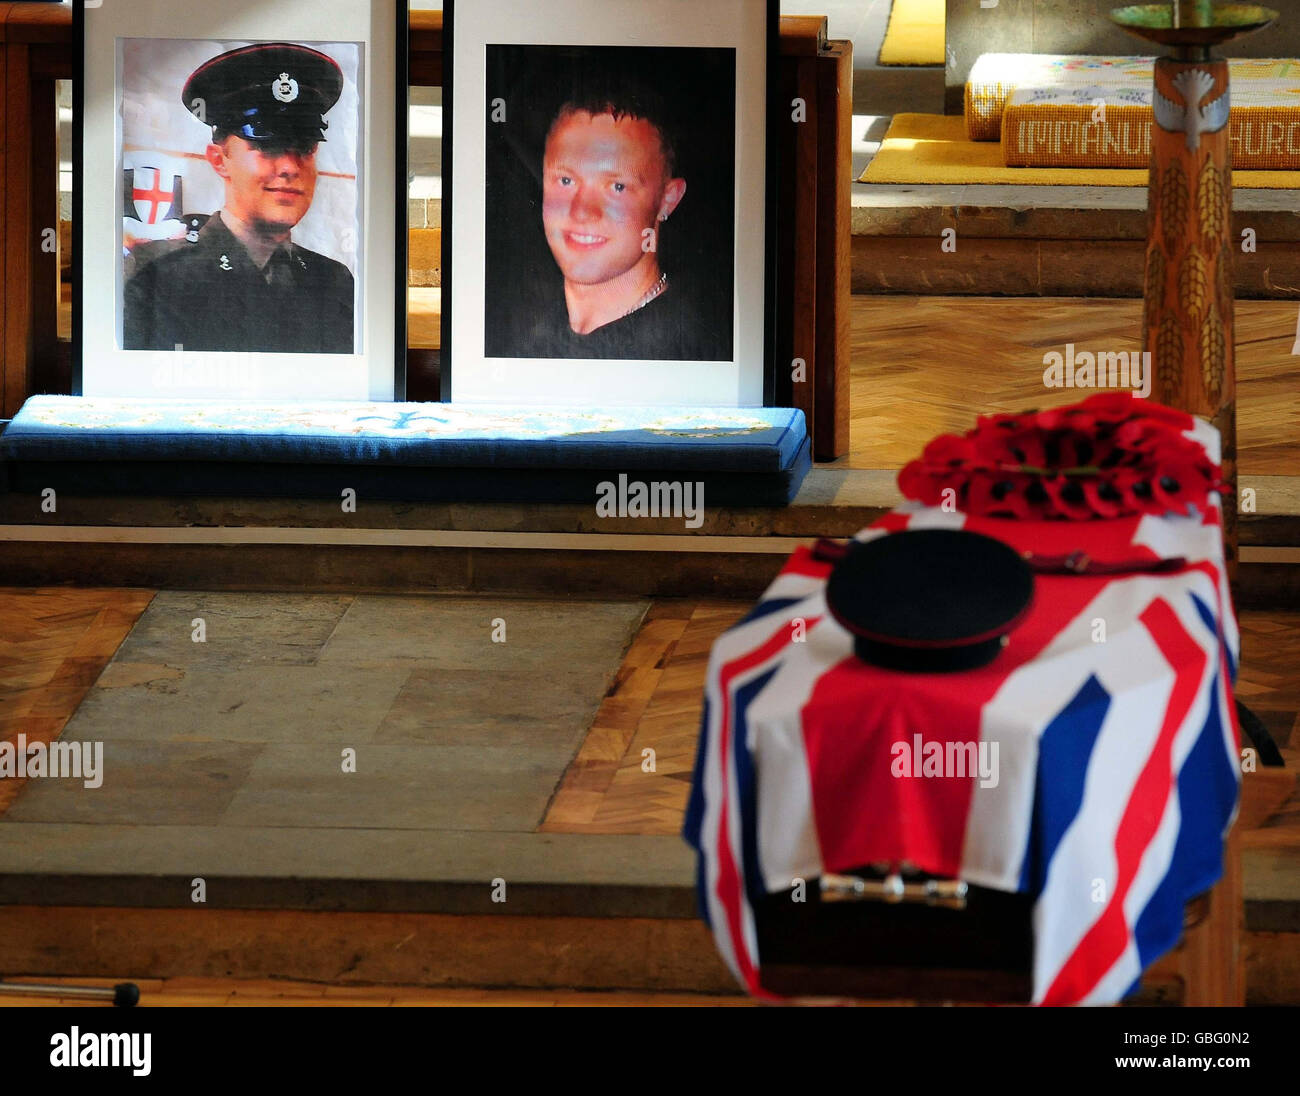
[{"x": 125, "y": 994}]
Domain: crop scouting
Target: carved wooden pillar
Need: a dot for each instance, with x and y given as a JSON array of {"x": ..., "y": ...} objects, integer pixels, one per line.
[{"x": 1188, "y": 313}]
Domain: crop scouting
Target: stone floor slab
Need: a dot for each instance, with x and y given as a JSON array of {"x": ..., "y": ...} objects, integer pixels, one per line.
[
  {"x": 457, "y": 633},
  {"x": 145, "y": 784},
  {"x": 240, "y": 629},
  {"x": 271, "y": 702},
  {"x": 400, "y": 787},
  {"x": 493, "y": 708}
]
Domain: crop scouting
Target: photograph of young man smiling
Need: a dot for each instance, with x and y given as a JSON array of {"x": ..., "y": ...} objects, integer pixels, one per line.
[{"x": 610, "y": 203}]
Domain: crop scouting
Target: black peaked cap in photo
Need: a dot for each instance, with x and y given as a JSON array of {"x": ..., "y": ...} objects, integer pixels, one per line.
[
  {"x": 930, "y": 600},
  {"x": 272, "y": 92}
]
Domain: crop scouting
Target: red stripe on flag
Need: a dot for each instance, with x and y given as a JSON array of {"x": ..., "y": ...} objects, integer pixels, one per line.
[
  {"x": 859, "y": 717},
  {"x": 1104, "y": 943},
  {"x": 802, "y": 562},
  {"x": 729, "y": 890}
]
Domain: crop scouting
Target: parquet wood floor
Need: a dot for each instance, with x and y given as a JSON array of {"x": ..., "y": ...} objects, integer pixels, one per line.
[
  {"x": 928, "y": 365},
  {"x": 637, "y": 792},
  {"x": 1269, "y": 683},
  {"x": 634, "y": 769},
  {"x": 604, "y": 794},
  {"x": 53, "y": 645}
]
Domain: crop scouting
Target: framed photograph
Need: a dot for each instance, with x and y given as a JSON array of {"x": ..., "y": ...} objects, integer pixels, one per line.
[
  {"x": 239, "y": 193},
  {"x": 607, "y": 202}
]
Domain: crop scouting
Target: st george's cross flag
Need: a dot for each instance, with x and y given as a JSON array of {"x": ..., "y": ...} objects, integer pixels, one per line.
[{"x": 1118, "y": 749}]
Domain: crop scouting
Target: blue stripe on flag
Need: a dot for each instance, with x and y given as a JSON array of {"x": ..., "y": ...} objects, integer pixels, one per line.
[
  {"x": 764, "y": 608},
  {"x": 1063, "y": 752},
  {"x": 695, "y": 814},
  {"x": 747, "y": 783},
  {"x": 1215, "y": 626},
  {"x": 1207, "y": 794}
]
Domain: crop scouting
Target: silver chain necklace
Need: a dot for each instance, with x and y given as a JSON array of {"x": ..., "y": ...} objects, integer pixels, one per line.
[{"x": 650, "y": 294}]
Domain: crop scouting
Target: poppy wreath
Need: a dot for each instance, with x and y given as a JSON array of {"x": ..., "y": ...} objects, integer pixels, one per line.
[{"x": 1110, "y": 456}]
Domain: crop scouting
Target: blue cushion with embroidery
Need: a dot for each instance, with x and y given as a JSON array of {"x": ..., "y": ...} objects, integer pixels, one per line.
[
  {"x": 95, "y": 445},
  {"x": 760, "y": 439}
]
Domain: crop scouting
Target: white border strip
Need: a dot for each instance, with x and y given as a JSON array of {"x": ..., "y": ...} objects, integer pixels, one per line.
[{"x": 405, "y": 538}]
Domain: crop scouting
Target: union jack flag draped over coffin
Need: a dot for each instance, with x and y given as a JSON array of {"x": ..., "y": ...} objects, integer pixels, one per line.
[{"x": 1118, "y": 749}]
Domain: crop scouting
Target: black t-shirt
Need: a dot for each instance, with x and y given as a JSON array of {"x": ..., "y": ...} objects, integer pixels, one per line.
[{"x": 536, "y": 325}]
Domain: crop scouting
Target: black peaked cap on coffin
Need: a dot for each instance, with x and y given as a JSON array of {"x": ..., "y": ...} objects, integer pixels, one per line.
[
  {"x": 272, "y": 92},
  {"x": 930, "y": 600}
]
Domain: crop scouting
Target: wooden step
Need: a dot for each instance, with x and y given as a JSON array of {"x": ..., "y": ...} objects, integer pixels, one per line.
[
  {"x": 291, "y": 544},
  {"x": 353, "y": 950},
  {"x": 1074, "y": 241}
]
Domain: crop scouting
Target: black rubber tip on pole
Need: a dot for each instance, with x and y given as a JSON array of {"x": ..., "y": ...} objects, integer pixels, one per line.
[
  {"x": 1253, "y": 728},
  {"x": 126, "y": 995}
]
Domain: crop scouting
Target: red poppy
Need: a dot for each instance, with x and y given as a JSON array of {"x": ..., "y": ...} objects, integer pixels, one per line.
[
  {"x": 949, "y": 449},
  {"x": 1176, "y": 485},
  {"x": 1068, "y": 497},
  {"x": 995, "y": 494},
  {"x": 1110, "y": 455},
  {"x": 1103, "y": 498}
]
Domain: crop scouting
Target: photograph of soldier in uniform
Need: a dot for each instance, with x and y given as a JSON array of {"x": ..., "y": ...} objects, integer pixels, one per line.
[
  {"x": 240, "y": 196},
  {"x": 610, "y": 202}
]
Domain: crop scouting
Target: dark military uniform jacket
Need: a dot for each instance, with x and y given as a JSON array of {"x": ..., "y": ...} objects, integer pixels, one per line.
[{"x": 209, "y": 295}]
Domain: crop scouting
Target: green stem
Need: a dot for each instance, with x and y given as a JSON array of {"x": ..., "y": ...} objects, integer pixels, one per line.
[{"x": 1031, "y": 470}]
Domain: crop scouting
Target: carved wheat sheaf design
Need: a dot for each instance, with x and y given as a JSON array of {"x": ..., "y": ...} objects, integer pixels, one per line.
[
  {"x": 1225, "y": 278},
  {"x": 1155, "y": 287},
  {"x": 1214, "y": 353},
  {"x": 1175, "y": 204},
  {"x": 1194, "y": 285},
  {"x": 1211, "y": 201},
  {"x": 1169, "y": 355}
]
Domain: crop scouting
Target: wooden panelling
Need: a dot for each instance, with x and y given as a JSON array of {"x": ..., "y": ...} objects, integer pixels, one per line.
[
  {"x": 423, "y": 318},
  {"x": 834, "y": 174},
  {"x": 43, "y": 285},
  {"x": 4, "y": 212},
  {"x": 802, "y": 35},
  {"x": 797, "y": 241},
  {"x": 425, "y": 44},
  {"x": 424, "y": 257},
  {"x": 38, "y": 24},
  {"x": 15, "y": 201}
]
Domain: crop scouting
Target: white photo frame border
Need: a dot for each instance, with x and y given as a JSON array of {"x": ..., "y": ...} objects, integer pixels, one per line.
[
  {"x": 467, "y": 375},
  {"x": 100, "y": 366}
]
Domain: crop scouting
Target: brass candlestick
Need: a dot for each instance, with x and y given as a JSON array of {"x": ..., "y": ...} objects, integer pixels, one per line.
[{"x": 1188, "y": 301}]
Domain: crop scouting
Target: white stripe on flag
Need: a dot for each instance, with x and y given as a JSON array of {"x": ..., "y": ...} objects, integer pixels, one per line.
[
  {"x": 787, "y": 835},
  {"x": 1139, "y": 681},
  {"x": 1157, "y": 858}
]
